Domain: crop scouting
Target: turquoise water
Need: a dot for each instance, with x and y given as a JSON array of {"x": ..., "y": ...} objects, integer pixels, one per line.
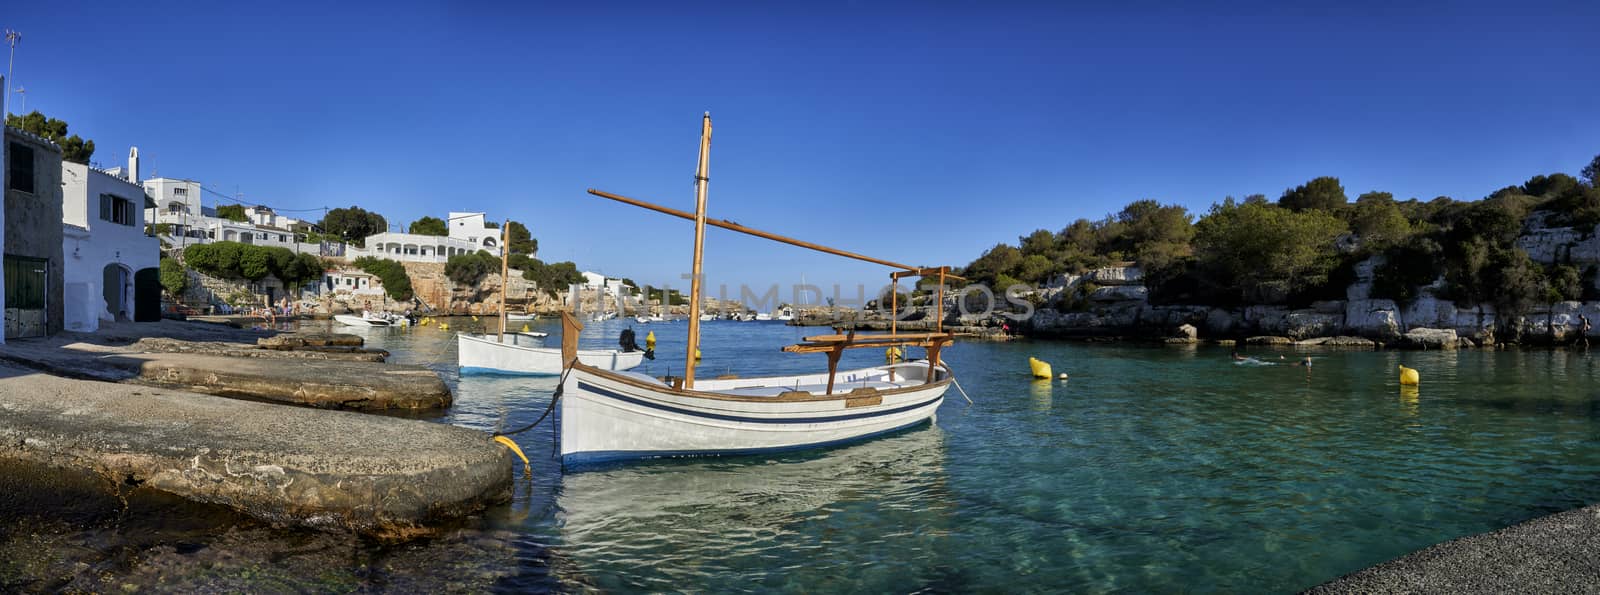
[{"x": 1153, "y": 469}]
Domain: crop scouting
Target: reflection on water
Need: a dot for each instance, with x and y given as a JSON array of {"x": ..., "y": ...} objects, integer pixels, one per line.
[
  {"x": 1154, "y": 470},
  {"x": 722, "y": 524}
]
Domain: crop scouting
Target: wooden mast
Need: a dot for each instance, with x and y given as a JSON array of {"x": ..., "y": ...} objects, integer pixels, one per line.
[
  {"x": 731, "y": 226},
  {"x": 701, "y": 178},
  {"x": 505, "y": 282}
]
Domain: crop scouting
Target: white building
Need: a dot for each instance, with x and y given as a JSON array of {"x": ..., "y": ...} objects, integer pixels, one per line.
[
  {"x": 469, "y": 233},
  {"x": 592, "y": 280},
  {"x": 103, "y": 244},
  {"x": 355, "y": 283}
]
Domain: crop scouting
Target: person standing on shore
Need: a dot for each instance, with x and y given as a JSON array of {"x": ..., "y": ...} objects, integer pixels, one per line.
[{"x": 1583, "y": 330}]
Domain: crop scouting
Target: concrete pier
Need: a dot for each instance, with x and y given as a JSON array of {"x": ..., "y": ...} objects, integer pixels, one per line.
[
  {"x": 1551, "y": 554},
  {"x": 221, "y": 363},
  {"x": 386, "y": 477}
]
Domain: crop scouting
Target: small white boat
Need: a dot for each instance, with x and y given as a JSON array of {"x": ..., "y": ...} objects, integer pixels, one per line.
[
  {"x": 365, "y": 319},
  {"x": 785, "y": 314},
  {"x": 525, "y": 353},
  {"x": 520, "y": 317},
  {"x": 764, "y": 316},
  {"x": 707, "y": 317}
]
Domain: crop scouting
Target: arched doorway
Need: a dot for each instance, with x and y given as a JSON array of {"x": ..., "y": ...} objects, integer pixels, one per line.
[{"x": 117, "y": 286}]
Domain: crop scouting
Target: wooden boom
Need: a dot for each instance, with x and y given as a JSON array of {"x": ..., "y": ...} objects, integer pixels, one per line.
[{"x": 731, "y": 226}]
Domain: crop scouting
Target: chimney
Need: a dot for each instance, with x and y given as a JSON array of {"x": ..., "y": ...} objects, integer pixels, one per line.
[{"x": 133, "y": 165}]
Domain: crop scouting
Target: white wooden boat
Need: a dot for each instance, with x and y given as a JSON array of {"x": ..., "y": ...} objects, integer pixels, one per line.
[
  {"x": 520, "y": 317},
  {"x": 522, "y": 353},
  {"x": 610, "y": 415},
  {"x": 764, "y": 316},
  {"x": 362, "y": 320}
]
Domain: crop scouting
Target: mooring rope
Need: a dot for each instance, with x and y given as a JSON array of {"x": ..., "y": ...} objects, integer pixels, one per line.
[{"x": 553, "y": 399}]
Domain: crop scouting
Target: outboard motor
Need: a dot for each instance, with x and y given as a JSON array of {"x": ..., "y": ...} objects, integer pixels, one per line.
[{"x": 629, "y": 344}]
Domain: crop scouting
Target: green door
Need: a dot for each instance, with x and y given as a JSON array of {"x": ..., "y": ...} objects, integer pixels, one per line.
[{"x": 26, "y": 282}]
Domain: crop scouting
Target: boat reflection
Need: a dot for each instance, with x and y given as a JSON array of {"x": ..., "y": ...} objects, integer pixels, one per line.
[{"x": 653, "y": 525}]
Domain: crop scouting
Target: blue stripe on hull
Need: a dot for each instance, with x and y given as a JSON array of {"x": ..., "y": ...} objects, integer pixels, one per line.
[
  {"x": 477, "y": 371},
  {"x": 584, "y": 386},
  {"x": 584, "y": 460}
]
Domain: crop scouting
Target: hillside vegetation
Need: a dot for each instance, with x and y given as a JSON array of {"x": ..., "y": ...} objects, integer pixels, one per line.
[{"x": 1304, "y": 246}]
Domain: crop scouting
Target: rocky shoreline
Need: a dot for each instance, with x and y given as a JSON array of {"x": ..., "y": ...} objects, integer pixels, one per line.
[{"x": 1112, "y": 305}]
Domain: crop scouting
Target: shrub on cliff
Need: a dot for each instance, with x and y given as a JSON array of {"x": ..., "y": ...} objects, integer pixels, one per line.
[
  {"x": 234, "y": 260},
  {"x": 396, "y": 283},
  {"x": 469, "y": 269}
]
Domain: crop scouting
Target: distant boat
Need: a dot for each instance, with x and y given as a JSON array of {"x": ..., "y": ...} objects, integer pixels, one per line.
[
  {"x": 520, "y": 317},
  {"x": 764, "y": 316},
  {"x": 786, "y": 313},
  {"x": 523, "y": 353},
  {"x": 707, "y": 317},
  {"x": 608, "y": 415},
  {"x": 366, "y": 319}
]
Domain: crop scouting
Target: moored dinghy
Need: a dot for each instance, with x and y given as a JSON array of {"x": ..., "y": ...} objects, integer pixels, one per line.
[
  {"x": 607, "y": 415},
  {"x": 520, "y": 353}
]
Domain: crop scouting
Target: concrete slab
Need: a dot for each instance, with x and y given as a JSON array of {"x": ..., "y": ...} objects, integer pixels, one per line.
[
  {"x": 1559, "y": 553},
  {"x": 314, "y": 383},
  {"x": 380, "y": 476},
  {"x": 210, "y": 359}
]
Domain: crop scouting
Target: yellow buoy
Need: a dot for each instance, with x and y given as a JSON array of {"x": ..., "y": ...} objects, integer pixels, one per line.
[
  {"x": 1409, "y": 377},
  {"x": 697, "y": 353},
  {"x": 525, "y": 328},
  {"x": 650, "y": 341},
  {"x": 893, "y": 354},
  {"x": 443, "y": 326},
  {"x": 474, "y": 318},
  {"x": 1040, "y": 369}
]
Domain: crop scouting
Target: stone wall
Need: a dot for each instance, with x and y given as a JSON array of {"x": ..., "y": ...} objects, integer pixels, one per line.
[{"x": 33, "y": 230}]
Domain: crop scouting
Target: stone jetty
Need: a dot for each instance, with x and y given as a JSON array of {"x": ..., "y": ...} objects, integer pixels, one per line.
[
  {"x": 381, "y": 476},
  {"x": 320, "y": 370}
]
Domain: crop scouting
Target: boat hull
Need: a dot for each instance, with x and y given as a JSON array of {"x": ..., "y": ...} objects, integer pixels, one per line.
[
  {"x": 523, "y": 354},
  {"x": 609, "y": 417},
  {"x": 352, "y": 320}
]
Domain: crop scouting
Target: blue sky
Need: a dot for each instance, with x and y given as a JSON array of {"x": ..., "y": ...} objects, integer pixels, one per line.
[{"x": 918, "y": 131}]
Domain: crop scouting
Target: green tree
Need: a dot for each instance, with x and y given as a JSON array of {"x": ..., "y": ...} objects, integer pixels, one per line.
[
  {"x": 174, "y": 278},
  {"x": 1262, "y": 253},
  {"x": 522, "y": 242},
  {"x": 429, "y": 226},
  {"x": 1324, "y": 193},
  {"x": 1378, "y": 221},
  {"x": 1591, "y": 172},
  {"x": 73, "y": 148},
  {"x": 255, "y": 262},
  {"x": 469, "y": 269},
  {"x": 999, "y": 260},
  {"x": 353, "y": 224},
  {"x": 396, "y": 282},
  {"x": 232, "y": 213},
  {"x": 554, "y": 278}
]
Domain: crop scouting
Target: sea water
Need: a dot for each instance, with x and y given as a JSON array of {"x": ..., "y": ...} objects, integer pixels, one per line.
[{"x": 1151, "y": 469}]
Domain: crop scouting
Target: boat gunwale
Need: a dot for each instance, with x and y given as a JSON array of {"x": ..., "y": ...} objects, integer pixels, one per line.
[
  {"x": 547, "y": 350},
  {"x": 691, "y": 393}
]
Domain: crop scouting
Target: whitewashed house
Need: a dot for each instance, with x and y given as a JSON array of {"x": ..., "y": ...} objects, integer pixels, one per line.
[
  {"x": 103, "y": 244},
  {"x": 469, "y": 233},
  {"x": 349, "y": 282}
]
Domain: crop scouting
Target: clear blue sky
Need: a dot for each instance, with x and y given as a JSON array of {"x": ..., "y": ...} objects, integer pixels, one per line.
[{"x": 917, "y": 131}]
